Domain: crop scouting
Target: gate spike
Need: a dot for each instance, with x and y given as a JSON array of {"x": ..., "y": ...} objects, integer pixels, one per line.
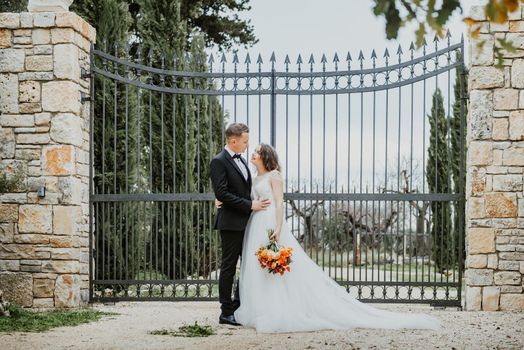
[
  {"x": 150, "y": 56},
  {"x": 299, "y": 59},
  {"x": 235, "y": 58},
  {"x": 412, "y": 46},
  {"x": 348, "y": 57},
  {"x": 211, "y": 59},
  {"x": 286, "y": 60},
  {"x": 323, "y": 59},
  {"x": 360, "y": 55},
  {"x": 462, "y": 38},
  {"x": 448, "y": 34},
  {"x": 259, "y": 59},
  {"x": 399, "y": 50},
  {"x": 386, "y": 53},
  {"x": 436, "y": 39},
  {"x": 335, "y": 59},
  {"x": 311, "y": 59},
  {"x": 127, "y": 47},
  {"x": 272, "y": 59},
  {"x": 373, "y": 54},
  {"x": 223, "y": 59},
  {"x": 248, "y": 59}
]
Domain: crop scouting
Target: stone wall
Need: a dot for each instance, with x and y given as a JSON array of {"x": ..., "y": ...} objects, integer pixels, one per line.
[
  {"x": 495, "y": 168},
  {"x": 44, "y": 132}
]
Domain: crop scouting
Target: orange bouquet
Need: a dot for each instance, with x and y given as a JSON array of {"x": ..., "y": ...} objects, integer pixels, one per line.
[{"x": 273, "y": 257}]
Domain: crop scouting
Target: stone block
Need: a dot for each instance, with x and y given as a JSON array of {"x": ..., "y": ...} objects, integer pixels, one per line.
[
  {"x": 35, "y": 219},
  {"x": 44, "y": 19},
  {"x": 30, "y": 107},
  {"x": 501, "y": 205},
  {"x": 493, "y": 261},
  {"x": 67, "y": 291},
  {"x": 512, "y": 302},
  {"x": 476, "y": 207},
  {"x": 17, "y": 286},
  {"x": 33, "y": 139},
  {"x": 66, "y": 62},
  {"x": 490, "y": 298},
  {"x": 7, "y": 143},
  {"x": 507, "y": 183},
  {"x": 480, "y": 153},
  {"x": 62, "y": 35},
  {"x": 8, "y": 93},
  {"x": 9, "y": 265},
  {"x": 517, "y": 74},
  {"x": 479, "y": 261},
  {"x": 506, "y": 99},
  {"x": 9, "y": 20},
  {"x": 58, "y": 160},
  {"x": 6, "y": 37},
  {"x": 61, "y": 96},
  {"x": 27, "y": 153},
  {"x": 481, "y": 240},
  {"x": 485, "y": 77},
  {"x": 39, "y": 63},
  {"x": 516, "y": 126},
  {"x": 61, "y": 266},
  {"x": 43, "y": 50},
  {"x": 480, "y": 114},
  {"x": 7, "y": 232},
  {"x": 64, "y": 241},
  {"x": 43, "y": 119},
  {"x": 43, "y": 76},
  {"x": 41, "y": 36},
  {"x": 43, "y": 303},
  {"x": 507, "y": 278},
  {"x": 26, "y": 20},
  {"x": 71, "y": 189},
  {"x": 43, "y": 287},
  {"x": 65, "y": 220},
  {"x": 65, "y": 254},
  {"x": 29, "y": 238},
  {"x": 513, "y": 156},
  {"x": 8, "y": 212},
  {"x": 67, "y": 128},
  {"x": 473, "y": 298},
  {"x": 29, "y": 91},
  {"x": 479, "y": 277},
  {"x": 482, "y": 56},
  {"x": 500, "y": 129}
]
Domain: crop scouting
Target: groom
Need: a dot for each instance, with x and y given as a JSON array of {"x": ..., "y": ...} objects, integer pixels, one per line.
[{"x": 232, "y": 186}]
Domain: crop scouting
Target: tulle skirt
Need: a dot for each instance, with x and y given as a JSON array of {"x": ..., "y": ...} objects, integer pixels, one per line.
[{"x": 304, "y": 299}]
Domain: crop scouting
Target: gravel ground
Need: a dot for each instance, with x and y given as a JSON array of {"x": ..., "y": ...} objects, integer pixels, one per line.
[{"x": 130, "y": 330}]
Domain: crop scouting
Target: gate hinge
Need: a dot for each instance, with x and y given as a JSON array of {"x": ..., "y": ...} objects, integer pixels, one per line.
[
  {"x": 84, "y": 97},
  {"x": 85, "y": 74}
]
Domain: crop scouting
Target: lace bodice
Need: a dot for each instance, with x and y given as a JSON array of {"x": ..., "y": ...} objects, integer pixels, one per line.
[{"x": 262, "y": 187}]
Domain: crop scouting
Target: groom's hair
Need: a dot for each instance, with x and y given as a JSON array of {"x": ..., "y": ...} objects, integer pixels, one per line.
[{"x": 236, "y": 130}]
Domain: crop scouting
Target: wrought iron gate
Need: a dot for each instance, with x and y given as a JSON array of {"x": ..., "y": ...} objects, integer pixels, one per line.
[{"x": 355, "y": 137}]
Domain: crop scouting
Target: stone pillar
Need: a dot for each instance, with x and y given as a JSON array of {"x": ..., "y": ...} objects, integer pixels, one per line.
[
  {"x": 495, "y": 168},
  {"x": 44, "y": 156}
]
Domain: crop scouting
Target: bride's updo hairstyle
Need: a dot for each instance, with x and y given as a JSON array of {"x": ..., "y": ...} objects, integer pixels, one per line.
[{"x": 269, "y": 157}]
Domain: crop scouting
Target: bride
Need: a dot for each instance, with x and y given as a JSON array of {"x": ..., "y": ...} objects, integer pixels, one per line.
[{"x": 304, "y": 299}]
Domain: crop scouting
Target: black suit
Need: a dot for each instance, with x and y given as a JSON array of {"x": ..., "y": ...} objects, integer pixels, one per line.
[{"x": 234, "y": 191}]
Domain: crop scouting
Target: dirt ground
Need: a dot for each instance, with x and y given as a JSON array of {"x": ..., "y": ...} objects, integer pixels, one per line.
[{"x": 130, "y": 330}]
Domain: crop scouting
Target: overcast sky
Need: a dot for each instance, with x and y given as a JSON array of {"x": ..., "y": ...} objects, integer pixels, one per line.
[{"x": 316, "y": 27}]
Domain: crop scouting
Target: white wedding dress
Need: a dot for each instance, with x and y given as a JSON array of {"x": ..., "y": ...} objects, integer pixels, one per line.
[{"x": 304, "y": 299}]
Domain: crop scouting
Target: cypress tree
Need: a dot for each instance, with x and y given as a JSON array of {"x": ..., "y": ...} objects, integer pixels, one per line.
[
  {"x": 438, "y": 175},
  {"x": 458, "y": 159}
]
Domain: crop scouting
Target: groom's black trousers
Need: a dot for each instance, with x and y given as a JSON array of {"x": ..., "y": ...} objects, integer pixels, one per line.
[{"x": 231, "y": 251}]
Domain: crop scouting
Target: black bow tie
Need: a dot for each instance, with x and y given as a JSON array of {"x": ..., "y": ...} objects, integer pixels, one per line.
[{"x": 236, "y": 156}]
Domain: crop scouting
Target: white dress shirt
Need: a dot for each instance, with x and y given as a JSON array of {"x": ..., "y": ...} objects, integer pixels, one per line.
[{"x": 243, "y": 168}]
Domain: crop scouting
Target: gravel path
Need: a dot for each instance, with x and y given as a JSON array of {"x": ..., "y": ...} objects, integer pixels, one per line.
[{"x": 129, "y": 330}]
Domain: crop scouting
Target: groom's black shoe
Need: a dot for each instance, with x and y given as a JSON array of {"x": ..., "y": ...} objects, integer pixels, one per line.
[{"x": 230, "y": 319}]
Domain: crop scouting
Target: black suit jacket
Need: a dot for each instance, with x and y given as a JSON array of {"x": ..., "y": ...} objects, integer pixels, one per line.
[{"x": 233, "y": 190}]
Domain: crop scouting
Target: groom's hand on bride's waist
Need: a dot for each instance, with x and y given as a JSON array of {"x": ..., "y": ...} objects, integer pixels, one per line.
[{"x": 260, "y": 205}]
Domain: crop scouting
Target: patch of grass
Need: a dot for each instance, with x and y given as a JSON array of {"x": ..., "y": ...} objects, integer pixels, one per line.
[
  {"x": 195, "y": 330},
  {"x": 21, "y": 320}
]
